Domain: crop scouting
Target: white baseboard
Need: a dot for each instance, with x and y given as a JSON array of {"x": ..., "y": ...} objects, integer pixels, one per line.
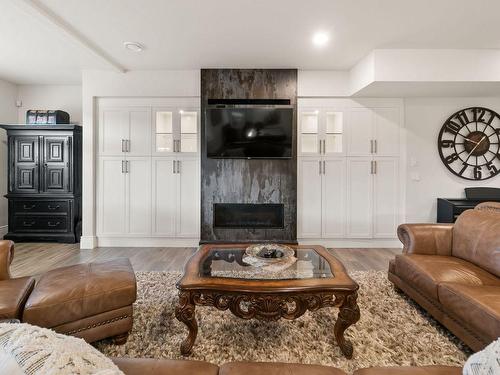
[
  {"x": 146, "y": 242},
  {"x": 3, "y": 230},
  {"x": 88, "y": 242},
  {"x": 352, "y": 242}
]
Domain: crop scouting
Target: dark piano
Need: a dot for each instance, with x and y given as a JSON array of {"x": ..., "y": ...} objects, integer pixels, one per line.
[{"x": 449, "y": 209}]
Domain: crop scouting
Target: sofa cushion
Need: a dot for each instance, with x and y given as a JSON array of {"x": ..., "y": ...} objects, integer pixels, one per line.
[
  {"x": 75, "y": 292},
  {"x": 13, "y": 296},
  {"x": 476, "y": 238},
  {"x": 424, "y": 272},
  {"x": 271, "y": 368},
  {"x": 422, "y": 370},
  {"x": 147, "y": 366},
  {"x": 479, "y": 306}
]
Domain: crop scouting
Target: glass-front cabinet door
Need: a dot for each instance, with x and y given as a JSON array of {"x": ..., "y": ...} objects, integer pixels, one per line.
[
  {"x": 321, "y": 132},
  {"x": 333, "y": 135},
  {"x": 188, "y": 142},
  {"x": 309, "y": 133},
  {"x": 164, "y": 131},
  {"x": 176, "y": 131}
]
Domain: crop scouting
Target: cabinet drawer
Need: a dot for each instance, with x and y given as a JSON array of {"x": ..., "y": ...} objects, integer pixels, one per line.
[
  {"x": 27, "y": 206},
  {"x": 25, "y": 223}
]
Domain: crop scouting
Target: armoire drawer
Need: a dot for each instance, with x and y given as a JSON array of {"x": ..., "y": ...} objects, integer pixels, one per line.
[
  {"x": 29, "y": 223},
  {"x": 30, "y": 206}
]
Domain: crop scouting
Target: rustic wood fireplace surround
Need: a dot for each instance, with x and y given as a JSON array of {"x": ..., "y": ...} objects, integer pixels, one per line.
[{"x": 255, "y": 181}]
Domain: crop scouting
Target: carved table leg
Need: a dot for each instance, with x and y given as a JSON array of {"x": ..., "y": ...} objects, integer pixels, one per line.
[
  {"x": 184, "y": 312},
  {"x": 348, "y": 315}
]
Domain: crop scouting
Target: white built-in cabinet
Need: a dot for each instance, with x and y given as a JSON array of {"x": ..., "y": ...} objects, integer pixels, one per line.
[
  {"x": 349, "y": 180},
  {"x": 148, "y": 170}
]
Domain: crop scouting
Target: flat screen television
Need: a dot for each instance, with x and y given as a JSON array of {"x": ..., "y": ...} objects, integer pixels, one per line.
[{"x": 249, "y": 133}]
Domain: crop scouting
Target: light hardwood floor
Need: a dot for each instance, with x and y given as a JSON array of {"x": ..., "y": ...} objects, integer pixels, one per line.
[{"x": 37, "y": 258}]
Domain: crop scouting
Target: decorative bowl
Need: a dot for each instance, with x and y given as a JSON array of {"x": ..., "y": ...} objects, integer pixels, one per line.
[{"x": 269, "y": 252}]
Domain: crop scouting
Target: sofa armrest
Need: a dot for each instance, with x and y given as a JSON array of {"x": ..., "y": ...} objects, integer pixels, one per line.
[
  {"x": 6, "y": 256},
  {"x": 427, "y": 239}
]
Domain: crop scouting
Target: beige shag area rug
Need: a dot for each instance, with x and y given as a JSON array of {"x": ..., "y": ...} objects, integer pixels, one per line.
[{"x": 392, "y": 331}]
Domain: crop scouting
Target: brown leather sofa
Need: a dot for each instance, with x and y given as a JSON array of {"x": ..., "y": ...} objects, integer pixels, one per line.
[
  {"x": 92, "y": 301},
  {"x": 142, "y": 366},
  {"x": 453, "y": 271}
]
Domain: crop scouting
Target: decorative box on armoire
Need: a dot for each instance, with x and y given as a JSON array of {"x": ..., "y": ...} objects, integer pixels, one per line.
[{"x": 45, "y": 182}]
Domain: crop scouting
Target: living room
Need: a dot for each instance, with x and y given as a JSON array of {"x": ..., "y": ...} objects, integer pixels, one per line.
[{"x": 246, "y": 186}]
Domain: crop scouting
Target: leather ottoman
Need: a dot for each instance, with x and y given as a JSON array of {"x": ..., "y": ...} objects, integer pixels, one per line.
[{"x": 92, "y": 301}]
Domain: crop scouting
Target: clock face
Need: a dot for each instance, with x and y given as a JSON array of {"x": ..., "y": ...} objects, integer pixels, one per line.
[{"x": 469, "y": 143}]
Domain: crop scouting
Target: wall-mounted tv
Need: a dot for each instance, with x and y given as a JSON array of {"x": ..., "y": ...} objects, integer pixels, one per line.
[{"x": 249, "y": 133}]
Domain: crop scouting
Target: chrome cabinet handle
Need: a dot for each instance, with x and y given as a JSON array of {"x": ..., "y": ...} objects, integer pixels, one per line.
[
  {"x": 371, "y": 167},
  {"x": 26, "y": 224},
  {"x": 123, "y": 166},
  {"x": 123, "y": 145},
  {"x": 178, "y": 166},
  {"x": 375, "y": 167},
  {"x": 324, "y": 167},
  {"x": 371, "y": 146},
  {"x": 173, "y": 166},
  {"x": 127, "y": 169},
  {"x": 50, "y": 224},
  {"x": 324, "y": 146},
  {"x": 375, "y": 142},
  {"x": 52, "y": 207},
  {"x": 30, "y": 207},
  {"x": 319, "y": 162},
  {"x": 127, "y": 145}
]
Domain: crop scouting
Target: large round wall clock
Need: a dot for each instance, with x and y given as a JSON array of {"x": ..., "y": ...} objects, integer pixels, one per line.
[{"x": 469, "y": 143}]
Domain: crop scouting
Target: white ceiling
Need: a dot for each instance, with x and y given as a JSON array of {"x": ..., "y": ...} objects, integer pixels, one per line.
[{"x": 193, "y": 34}]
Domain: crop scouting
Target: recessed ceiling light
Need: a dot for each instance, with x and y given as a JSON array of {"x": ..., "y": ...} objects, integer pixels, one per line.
[
  {"x": 134, "y": 46},
  {"x": 320, "y": 39}
]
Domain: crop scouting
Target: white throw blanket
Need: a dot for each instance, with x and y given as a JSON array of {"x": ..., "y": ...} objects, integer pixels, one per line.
[{"x": 31, "y": 350}]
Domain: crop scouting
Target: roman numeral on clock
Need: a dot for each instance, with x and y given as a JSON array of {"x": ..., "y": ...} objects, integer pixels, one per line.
[{"x": 462, "y": 117}]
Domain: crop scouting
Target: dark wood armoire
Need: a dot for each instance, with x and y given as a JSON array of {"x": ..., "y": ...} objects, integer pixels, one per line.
[{"x": 45, "y": 182}]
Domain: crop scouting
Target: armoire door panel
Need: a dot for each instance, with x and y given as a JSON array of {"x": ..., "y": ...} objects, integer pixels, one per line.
[
  {"x": 138, "y": 172},
  {"x": 386, "y": 197},
  {"x": 309, "y": 198},
  {"x": 360, "y": 132},
  {"x": 55, "y": 168},
  {"x": 188, "y": 202},
  {"x": 112, "y": 196},
  {"x": 139, "y": 138},
  {"x": 386, "y": 131},
  {"x": 113, "y": 131},
  {"x": 359, "y": 198},
  {"x": 165, "y": 184},
  {"x": 333, "y": 198},
  {"x": 24, "y": 176}
]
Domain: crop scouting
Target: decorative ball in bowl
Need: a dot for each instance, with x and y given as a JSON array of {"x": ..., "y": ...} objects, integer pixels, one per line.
[{"x": 270, "y": 252}]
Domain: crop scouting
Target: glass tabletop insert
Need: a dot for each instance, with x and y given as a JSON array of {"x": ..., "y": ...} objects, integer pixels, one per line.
[{"x": 235, "y": 263}]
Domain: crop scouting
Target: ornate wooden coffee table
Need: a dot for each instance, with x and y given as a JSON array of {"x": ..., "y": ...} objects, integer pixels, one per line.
[{"x": 216, "y": 275}]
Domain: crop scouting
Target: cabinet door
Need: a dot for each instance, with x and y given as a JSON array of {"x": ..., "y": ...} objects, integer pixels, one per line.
[
  {"x": 386, "y": 132},
  {"x": 385, "y": 197},
  {"x": 188, "y": 132},
  {"x": 139, "y": 132},
  {"x": 333, "y": 135},
  {"x": 360, "y": 132},
  {"x": 24, "y": 176},
  {"x": 113, "y": 131},
  {"x": 309, "y": 198},
  {"x": 55, "y": 168},
  {"x": 188, "y": 201},
  {"x": 309, "y": 133},
  {"x": 359, "y": 197},
  {"x": 164, "y": 197},
  {"x": 163, "y": 131},
  {"x": 112, "y": 196},
  {"x": 138, "y": 171},
  {"x": 333, "y": 197}
]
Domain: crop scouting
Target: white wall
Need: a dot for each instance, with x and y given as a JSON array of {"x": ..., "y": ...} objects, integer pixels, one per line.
[
  {"x": 424, "y": 118},
  {"x": 8, "y": 114},
  {"x": 64, "y": 97}
]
